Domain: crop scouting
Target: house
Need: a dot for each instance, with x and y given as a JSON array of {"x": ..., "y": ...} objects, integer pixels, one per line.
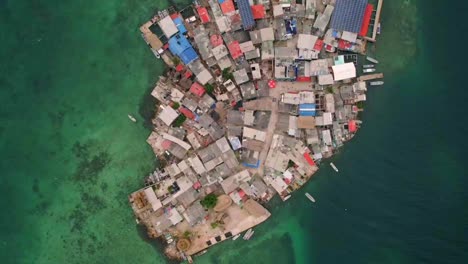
[
  {"x": 195, "y": 214},
  {"x": 348, "y": 15},
  {"x": 344, "y": 71}
]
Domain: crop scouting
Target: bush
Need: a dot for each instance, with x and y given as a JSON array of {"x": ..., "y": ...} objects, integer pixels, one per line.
[
  {"x": 214, "y": 225},
  {"x": 187, "y": 234},
  {"x": 227, "y": 74},
  {"x": 209, "y": 88},
  {"x": 360, "y": 105},
  {"x": 179, "y": 121},
  {"x": 329, "y": 89},
  {"x": 175, "y": 105},
  {"x": 209, "y": 201}
]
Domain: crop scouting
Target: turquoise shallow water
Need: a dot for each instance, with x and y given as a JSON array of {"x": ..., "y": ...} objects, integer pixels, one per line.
[{"x": 70, "y": 72}]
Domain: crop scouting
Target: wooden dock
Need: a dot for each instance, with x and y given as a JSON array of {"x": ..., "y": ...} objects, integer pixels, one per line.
[
  {"x": 376, "y": 22},
  {"x": 369, "y": 77}
]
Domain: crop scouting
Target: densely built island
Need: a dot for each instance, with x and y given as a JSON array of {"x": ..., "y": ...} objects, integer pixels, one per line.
[{"x": 256, "y": 94}]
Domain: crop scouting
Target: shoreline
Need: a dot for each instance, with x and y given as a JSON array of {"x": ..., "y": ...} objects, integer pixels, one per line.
[{"x": 243, "y": 132}]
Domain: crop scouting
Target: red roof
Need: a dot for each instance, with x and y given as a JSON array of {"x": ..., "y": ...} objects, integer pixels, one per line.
[
  {"x": 216, "y": 40},
  {"x": 187, "y": 74},
  {"x": 366, "y": 20},
  {"x": 343, "y": 44},
  {"x": 197, "y": 185},
  {"x": 179, "y": 68},
  {"x": 303, "y": 79},
  {"x": 166, "y": 144},
  {"x": 187, "y": 113},
  {"x": 352, "y": 126},
  {"x": 258, "y": 11},
  {"x": 203, "y": 13},
  {"x": 235, "y": 49},
  {"x": 287, "y": 181},
  {"x": 309, "y": 159},
  {"x": 241, "y": 193},
  {"x": 318, "y": 45},
  {"x": 227, "y": 6},
  {"x": 174, "y": 16},
  {"x": 197, "y": 89},
  {"x": 166, "y": 46}
]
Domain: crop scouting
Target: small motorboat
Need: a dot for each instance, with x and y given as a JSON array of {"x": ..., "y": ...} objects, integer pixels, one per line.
[
  {"x": 236, "y": 237},
  {"x": 333, "y": 166},
  {"x": 132, "y": 118},
  {"x": 376, "y": 83},
  {"x": 312, "y": 199}
]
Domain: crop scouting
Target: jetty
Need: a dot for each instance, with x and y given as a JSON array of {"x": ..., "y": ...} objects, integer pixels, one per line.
[{"x": 369, "y": 77}]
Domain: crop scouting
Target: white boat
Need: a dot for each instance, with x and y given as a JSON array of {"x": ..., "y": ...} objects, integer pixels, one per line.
[
  {"x": 156, "y": 54},
  {"x": 132, "y": 118},
  {"x": 286, "y": 198},
  {"x": 378, "y": 28},
  {"x": 310, "y": 197},
  {"x": 367, "y": 66},
  {"x": 236, "y": 236},
  {"x": 333, "y": 166},
  {"x": 248, "y": 234},
  {"x": 376, "y": 83},
  {"x": 368, "y": 70},
  {"x": 201, "y": 253},
  {"x": 372, "y": 59}
]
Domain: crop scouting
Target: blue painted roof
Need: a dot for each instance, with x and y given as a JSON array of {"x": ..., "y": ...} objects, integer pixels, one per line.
[
  {"x": 181, "y": 47},
  {"x": 178, "y": 43},
  {"x": 188, "y": 55},
  {"x": 180, "y": 25},
  {"x": 246, "y": 14},
  {"x": 348, "y": 15},
  {"x": 307, "y": 109}
]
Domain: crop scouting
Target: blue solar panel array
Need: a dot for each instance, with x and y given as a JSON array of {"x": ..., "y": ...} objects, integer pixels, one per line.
[
  {"x": 348, "y": 15},
  {"x": 246, "y": 14}
]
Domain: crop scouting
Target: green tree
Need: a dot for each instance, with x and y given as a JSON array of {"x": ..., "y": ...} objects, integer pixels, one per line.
[
  {"x": 209, "y": 88},
  {"x": 360, "y": 105},
  {"x": 227, "y": 74},
  {"x": 179, "y": 121},
  {"x": 175, "y": 105},
  {"x": 209, "y": 201}
]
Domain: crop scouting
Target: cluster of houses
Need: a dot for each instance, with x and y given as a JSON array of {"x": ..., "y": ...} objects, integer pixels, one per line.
[{"x": 257, "y": 93}]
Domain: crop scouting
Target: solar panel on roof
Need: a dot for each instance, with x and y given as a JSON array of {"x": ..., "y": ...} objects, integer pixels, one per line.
[
  {"x": 348, "y": 15},
  {"x": 246, "y": 14}
]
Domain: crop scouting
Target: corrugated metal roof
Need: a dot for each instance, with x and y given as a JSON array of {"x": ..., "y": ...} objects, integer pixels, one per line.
[
  {"x": 348, "y": 15},
  {"x": 180, "y": 25},
  {"x": 246, "y": 13},
  {"x": 307, "y": 110}
]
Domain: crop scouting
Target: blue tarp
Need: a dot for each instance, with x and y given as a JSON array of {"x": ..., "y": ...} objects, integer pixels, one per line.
[
  {"x": 254, "y": 166},
  {"x": 181, "y": 47},
  {"x": 307, "y": 109},
  {"x": 291, "y": 26},
  {"x": 180, "y": 25},
  {"x": 348, "y": 15},
  {"x": 220, "y": 1},
  {"x": 245, "y": 11}
]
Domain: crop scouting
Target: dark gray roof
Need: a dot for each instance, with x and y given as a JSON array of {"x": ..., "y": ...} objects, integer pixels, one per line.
[{"x": 348, "y": 15}]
